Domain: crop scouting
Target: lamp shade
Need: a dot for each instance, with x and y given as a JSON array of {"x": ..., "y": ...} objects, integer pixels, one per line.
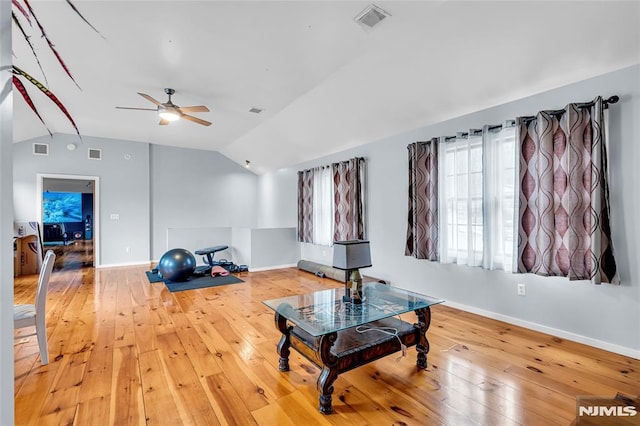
[{"x": 352, "y": 254}]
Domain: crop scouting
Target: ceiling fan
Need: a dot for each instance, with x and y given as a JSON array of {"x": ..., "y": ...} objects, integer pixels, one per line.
[{"x": 169, "y": 111}]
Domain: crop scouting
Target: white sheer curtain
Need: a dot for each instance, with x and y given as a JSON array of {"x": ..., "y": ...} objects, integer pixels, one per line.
[
  {"x": 323, "y": 206},
  {"x": 477, "y": 174},
  {"x": 460, "y": 202},
  {"x": 499, "y": 196}
]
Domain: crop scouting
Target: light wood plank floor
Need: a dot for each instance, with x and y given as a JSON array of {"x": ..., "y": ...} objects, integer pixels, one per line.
[
  {"x": 76, "y": 254},
  {"x": 126, "y": 352}
]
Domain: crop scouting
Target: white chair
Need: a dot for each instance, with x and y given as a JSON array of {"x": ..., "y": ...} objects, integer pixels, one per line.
[{"x": 34, "y": 315}]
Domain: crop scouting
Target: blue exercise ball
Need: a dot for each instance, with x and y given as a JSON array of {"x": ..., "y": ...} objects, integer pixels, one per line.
[{"x": 177, "y": 265}]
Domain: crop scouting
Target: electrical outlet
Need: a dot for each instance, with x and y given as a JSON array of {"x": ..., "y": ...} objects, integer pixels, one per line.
[
  {"x": 127, "y": 249},
  {"x": 522, "y": 291}
]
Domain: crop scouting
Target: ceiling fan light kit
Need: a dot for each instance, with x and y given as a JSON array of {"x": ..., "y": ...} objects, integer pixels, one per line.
[
  {"x": 169, "y": 111},
  {"x": 168, "y": 114}
]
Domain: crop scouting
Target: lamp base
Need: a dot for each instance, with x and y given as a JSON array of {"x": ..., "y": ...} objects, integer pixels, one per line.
[
  {"x": 353, "y": 289},
  {"x": 347, "y": 292},
  {"x": 356, "y": 287},
  {"x": 356, "y": 301}
]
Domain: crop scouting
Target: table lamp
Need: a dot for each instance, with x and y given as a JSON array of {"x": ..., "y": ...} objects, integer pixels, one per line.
[{"x": 350, "y": 256}]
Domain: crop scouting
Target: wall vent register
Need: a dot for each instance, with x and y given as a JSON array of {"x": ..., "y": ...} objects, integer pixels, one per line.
[
  {"x": 40, "y": 149},
  {"x": 95, "y": 154}
]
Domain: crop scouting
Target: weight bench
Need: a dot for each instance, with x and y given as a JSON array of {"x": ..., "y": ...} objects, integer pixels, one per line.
[{"x": 209, "y": 252}]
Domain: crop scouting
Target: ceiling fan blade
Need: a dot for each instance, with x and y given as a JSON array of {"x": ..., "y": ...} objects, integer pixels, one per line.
[
  {"x": 196, "y": 120},
  {"x": 141, "y": 109},
  {"x": 163, "y": 122},
  {"x": 149, "y": 98},
  {"x": 199, "y": 108}
]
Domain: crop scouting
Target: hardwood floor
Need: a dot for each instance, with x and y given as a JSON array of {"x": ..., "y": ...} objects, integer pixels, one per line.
[
  {"x": 76, "y": 254},
  {"x": 126, "y": 352}
]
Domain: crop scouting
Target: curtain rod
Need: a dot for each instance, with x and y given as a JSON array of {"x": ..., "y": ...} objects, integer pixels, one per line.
[
  {"x": 475, "y": 132},
  {"x": 606, "y": 102},
  {"x": 330, "y": 165}
]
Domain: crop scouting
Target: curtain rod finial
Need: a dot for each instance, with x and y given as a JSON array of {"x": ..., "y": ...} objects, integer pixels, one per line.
[{"x": 613, "y": 99}]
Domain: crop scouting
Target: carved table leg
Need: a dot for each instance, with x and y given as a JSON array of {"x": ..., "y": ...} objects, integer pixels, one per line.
[
  {"x": 285, "y": 341},
  {"x": 329, "y": 373},
  {"x": 422, "y": 347}
]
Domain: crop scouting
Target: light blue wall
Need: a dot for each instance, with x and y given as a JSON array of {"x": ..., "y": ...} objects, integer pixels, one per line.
[
  {"x": 198, "y": 189},
  {"x": 153, "y": 189},
  {"x": 274, "y": 247},
  {"x": 277, "y": 199},
  {"x": 124, "y": 189},
  {"x": 605, "y": 315}
]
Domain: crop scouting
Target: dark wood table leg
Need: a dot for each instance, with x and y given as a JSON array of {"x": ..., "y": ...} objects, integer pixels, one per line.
[
  {"x": 422, "y": 347},
  {"x": 285, "y": 341},
  {"x": 329, "y": 373}
]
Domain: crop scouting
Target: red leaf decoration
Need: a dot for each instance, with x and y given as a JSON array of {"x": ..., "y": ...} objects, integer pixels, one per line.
[
  {"x": 21, "y": 9},
  {"x": 27, "y": 99},
  {"x": 27, "y": 38},
  {"x": 55, "y": 52},
  {"x": 83, "y": 18},
  {"x": 47, "y": 92}
]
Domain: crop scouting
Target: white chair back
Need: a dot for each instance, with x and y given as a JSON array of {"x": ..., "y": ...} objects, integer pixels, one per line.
[
  {"x": 35, "y": 314},
  {"x": 43, "y": 282}
]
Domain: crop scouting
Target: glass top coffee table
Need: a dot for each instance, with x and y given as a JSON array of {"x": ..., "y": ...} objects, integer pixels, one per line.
[{"x": 338, "y": 335}]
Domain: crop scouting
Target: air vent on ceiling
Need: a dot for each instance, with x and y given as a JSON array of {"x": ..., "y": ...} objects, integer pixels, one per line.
[
  {"x": 95, "y": 154},
  {"x": 40, "y": 149},
  {"x": 371, "y": 16},
  {"x": 256, "y": 110}
]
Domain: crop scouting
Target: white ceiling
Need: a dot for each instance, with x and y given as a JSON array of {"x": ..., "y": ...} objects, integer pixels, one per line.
[{"x": 325, "y": 84}]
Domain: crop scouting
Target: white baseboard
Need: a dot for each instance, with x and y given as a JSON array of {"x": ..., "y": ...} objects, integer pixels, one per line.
[
  {"x": 117, "y": 265},
  {"x": 269, "y": 268},
  {"x": 263, "y": 268},
  {"x": 611, "y": 347}
]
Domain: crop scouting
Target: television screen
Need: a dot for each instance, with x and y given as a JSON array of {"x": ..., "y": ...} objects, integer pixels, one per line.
[{"x": 61, "y": 207}]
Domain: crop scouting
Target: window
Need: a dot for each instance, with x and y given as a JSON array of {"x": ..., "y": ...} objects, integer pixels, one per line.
[
  {"x": 323, "y": 206},
  {"x": 461, "y": 200},
  {"x": 331, "y": 202},
  {"x": 500, "y": 197},
  {"x": 557, "y": 168},
  {"x": 467, "y": 183},
  {"x": 476, "y": 200}
]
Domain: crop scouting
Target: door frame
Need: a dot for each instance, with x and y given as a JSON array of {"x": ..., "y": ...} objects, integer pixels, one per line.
[{"x": 96, "y": 206}]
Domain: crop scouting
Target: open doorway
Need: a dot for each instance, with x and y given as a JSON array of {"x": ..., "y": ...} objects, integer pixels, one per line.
[{"x": 68, "y": 217}]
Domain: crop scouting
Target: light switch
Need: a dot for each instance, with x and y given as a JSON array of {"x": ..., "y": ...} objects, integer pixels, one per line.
[{"x": 115, "y": 216}]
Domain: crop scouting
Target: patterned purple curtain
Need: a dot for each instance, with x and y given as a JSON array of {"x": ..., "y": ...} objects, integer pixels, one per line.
[
  {"x": 305, "y": 206},
  {"x": 422, "y": 229},
  {"x": 348, "y": 197},
  {"x": 564, "y": 198}
]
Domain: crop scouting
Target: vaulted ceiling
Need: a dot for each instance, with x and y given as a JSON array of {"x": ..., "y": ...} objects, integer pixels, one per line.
[{"x": 324, "y": 83}]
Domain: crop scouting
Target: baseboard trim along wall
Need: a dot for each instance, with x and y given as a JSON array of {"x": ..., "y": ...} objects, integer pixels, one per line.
[
  {"x": 269, "y": 268},
  {"x": 622, "y": 350},
  {"x": 263, "y": 268},
  {"x": 117, "y": 265}
]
